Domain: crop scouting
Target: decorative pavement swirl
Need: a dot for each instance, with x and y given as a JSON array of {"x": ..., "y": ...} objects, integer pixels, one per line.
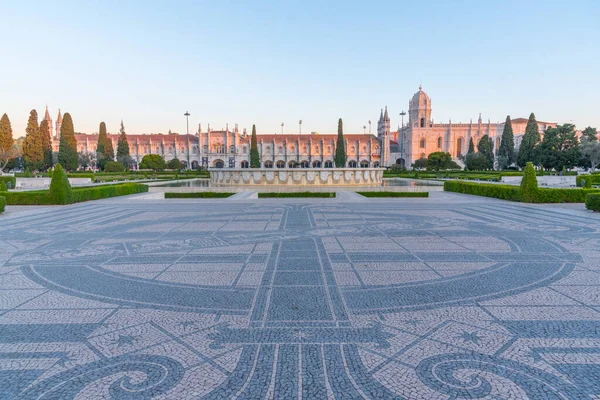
[{"x": 454, "y": 297}]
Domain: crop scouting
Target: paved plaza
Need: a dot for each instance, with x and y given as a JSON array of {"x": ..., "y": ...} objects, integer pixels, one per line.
[{"x": 451, "y": 297}]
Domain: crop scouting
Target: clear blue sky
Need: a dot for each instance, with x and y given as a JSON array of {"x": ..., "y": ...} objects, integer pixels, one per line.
[{"x": 268, "y": 62}]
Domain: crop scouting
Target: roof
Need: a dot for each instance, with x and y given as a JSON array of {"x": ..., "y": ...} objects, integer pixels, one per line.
[{"x": 524, "y": 120}]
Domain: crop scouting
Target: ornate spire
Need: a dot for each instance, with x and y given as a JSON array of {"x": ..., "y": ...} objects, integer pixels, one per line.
[
  {"x": 386, "y": 116},
  {"x": 381, "y": 115},
  {"x": 47, "y": 116},
  {"x": 59, "y": 118},
  {"x": 420, "y": 88}
]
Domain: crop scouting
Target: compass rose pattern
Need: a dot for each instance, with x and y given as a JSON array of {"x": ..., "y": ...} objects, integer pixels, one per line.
[{"x": 442, "y": 299}]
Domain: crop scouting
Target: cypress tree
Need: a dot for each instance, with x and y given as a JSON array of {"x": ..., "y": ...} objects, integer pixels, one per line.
[
  {"x": 67, "y": 153},
  {"x": 507, "y": 143},
  {"x": 254, "y": 156},
  {"x": 6, "y": 141},
  {"x": 485, "y": 147},
  {"x": 340, "y": 151},
  {"x": 529, "y": 183},
  {"x": 123, "y": 148},
  {"x": 528, "y": 150},
  {"x": 60, "y": 189},
  {"x": 46, "y": 143},
  {"x": 471, "y": 147},
  {"x": 33, "y": 150}
]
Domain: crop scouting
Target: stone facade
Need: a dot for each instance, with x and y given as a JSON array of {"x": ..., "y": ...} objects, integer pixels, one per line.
[
  {"x": 421, "y": 136},
  {"x": 310, "y": 177}
]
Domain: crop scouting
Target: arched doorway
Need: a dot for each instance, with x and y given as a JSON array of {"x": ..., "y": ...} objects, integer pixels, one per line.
[
  {"x": 194, "y": 164},
  {"x": 364, "y": 164},
  {"x": 401, "y": 162},
  {"x": 317, "y": 164},
  {"x": 218, "y": 164},
  {"x": 245, "y": 164},
  {"x": 459, "y": 146},
  {"x": 304, "y": 164},
  {"x": 376, "y": 164},
  {"x": 352, "y": 164},
  {"x": 268, "y": 164},
  {"x": 328, "y": 164},
  {"x": 280, "y": 164}
]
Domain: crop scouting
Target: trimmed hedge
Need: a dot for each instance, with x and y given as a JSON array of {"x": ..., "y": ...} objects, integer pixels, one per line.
[
  {"x": 394, "y": 194},
  {"x": 513, "y": 193},
  {"x": 7, "y": 179},
  {"x": 198, "y": 195},
  {"x": 43, "y": 197},
  {"x": 296, "y": 194},
  {"x": 584, "y": 181},
  {"x": 592, "y": 202},
  {"x": 2, "y": 204}
]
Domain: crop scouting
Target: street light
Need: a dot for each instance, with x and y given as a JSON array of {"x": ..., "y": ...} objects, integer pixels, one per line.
[
  {"x": 369, "y": 127},
  {"x": 403, "y": 113},
  {"x": 364, "y": 129},
  {"x": 187, "y": 122},
  {"x": 300, "y": 123},
  {"x": 282, "y": 128}
]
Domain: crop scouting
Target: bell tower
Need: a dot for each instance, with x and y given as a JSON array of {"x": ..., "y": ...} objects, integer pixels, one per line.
[{"x": 419, "y": 110}]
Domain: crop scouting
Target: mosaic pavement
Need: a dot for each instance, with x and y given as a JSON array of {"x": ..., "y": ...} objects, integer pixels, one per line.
[{"x": 410, "y": 299}]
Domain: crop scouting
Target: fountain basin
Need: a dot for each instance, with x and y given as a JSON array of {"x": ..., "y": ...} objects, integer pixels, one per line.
[{"x": 296, "y": 176}]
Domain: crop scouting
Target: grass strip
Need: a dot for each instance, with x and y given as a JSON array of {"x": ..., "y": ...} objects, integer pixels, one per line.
[
  {"x": 296, "y": 194},
  {"x": 394, "y": 194}
]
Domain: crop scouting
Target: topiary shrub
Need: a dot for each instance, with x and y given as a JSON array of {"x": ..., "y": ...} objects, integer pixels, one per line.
[
  {"x": 28, "y": 173},
  {"x": 2, "y": 204},
  {"x": 60, "y": 189},
  {"x": 9, "y": 179},
  {"x": 114, "y": 166},
  {"x": 584, "y": 181},
  {"x": 592, "y": 202},
  {"x": 3, "y": 187},
  {"x": 529, "y": 184}
]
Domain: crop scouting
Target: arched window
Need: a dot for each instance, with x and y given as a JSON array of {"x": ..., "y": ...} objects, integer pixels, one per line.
[
  {"x": 316, "y": 164},
  {"x": 292, "y": 164},
  {"x": 376, "y": 164},
  {"x": 352, "y": 164},
  {"x": 280, "y": 164},
  {"x": 439, "y": 143},
  {"x": 328, "y": 164},
  {"x": 304, "y": 164},
  {"x": 364, "y": 164},
  {"x": 268, "y": 164},
  {"x": 422, "y": 143},
  {"x": 245, "y": 164},
  {"x": 422, "y": 122}
]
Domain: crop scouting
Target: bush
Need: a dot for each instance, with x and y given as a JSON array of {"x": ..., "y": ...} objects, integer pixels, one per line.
[
  {"x": 114, "y": 166},
  {"x": 60, "y": 191},
  {"x": 153, "y": 162},
  {"x": 592, "y": 202},
  {"x": 529, "y": 184},
  {"x": 198, "y": 195},
  {"x": 584, "y": 181},
  {"x": 296, "y": 194},
  {"x": 9, "y": 179},
  {"x": 394, "y": 194},
  {"x": 42, "y": 197},
  {"x": 513, "y": 193},
  {"x": 2, "y": 204},
  {"x": 3, "y": 187}
]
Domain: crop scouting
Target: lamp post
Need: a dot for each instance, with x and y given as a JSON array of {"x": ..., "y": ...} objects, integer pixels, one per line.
[
  {"x": 282, "y": 128},
  {"x": 369, "y": 127},
  {"x": 300, "y": 124},
  {"x": 187, "y": 130},
  {"x": 364, "y": 129},
  {"x": 403, "y": 113}
]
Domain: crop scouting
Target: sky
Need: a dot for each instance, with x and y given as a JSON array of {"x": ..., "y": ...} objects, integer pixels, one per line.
[{"x": 268, "y": 62}]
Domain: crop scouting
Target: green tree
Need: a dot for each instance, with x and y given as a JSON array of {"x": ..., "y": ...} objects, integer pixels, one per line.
[
  {"x": 591, "y": 151},
  {"x": 46, "y": 143},
  {"x": 560, "y": 148},
  {"x": 104, "y": 148},
  {"x": 507, "y": 143},
  {"x": 528, "y": 150},
  {"x": 60, "y": 189},
  {"x": 420, "y": 163},
  {"x": 486, "y": 148},
  {"x": 589, "y": 134},
  {"x": 340, "y": 151},
  {"x": 152, "y": 161},
  {"x": 587, "y": 143},
  {"x": 114, "y": 166},
  {"x": 529, "y": 183},
  {"x": 471, "y": 147},
  {"x": 67, "y": 150},
  {"x": 175, "y": 164},
  {"x": 123, "y": 147},
  {"x": 33, "y": 150},
  {"x": 254, "y": 156},
  {"x": 7, "y": 149},
  {"x": 439, "y": 160}
]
